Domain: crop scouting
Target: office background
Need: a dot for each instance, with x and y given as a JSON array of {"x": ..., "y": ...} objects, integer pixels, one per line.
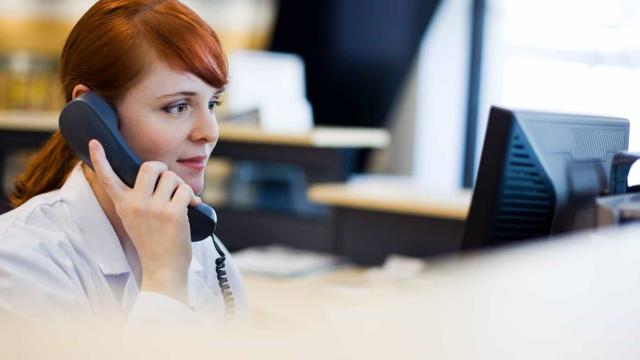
[{"x": 428, "y": 70}]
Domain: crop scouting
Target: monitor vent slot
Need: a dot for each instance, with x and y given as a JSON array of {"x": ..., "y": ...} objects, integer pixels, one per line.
[{"x": 526, "y": 201}]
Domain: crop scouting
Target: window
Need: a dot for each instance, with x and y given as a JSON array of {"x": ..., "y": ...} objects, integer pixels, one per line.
[{"x": 578, "y": 56}]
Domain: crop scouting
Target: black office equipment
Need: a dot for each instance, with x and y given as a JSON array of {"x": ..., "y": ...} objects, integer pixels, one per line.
[{"x": 540, "y": 174}]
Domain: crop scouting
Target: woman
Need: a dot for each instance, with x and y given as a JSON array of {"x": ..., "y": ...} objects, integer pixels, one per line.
[{"x": 81, "y": 242}]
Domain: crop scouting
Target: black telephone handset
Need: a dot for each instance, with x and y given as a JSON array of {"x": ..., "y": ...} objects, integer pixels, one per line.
[{"x": 90, "y": 117}]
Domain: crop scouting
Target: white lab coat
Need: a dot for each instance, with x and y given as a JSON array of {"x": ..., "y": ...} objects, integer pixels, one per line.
[{"x": 60, "y": 257}]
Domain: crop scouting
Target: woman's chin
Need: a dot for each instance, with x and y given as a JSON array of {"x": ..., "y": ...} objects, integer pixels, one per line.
[
  {"x": 195, "y": 182},
  {"x": 196, "y": 186}
]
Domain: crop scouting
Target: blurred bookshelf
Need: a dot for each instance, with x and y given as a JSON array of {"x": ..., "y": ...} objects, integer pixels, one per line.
[{"x": 33, "y": 32}]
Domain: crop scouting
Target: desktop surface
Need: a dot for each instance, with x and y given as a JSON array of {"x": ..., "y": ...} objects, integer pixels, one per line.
[{"x": 576, "y": 297}]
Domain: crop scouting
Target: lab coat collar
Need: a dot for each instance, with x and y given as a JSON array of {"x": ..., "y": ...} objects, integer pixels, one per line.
[{"x": 97, "y": 232}]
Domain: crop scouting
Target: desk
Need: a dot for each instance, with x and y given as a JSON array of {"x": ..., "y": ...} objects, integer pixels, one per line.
[
  {"x": 378, "y": 216},
  {"x": 574, "y": 297},
  {"x": 322, "y": 154}
]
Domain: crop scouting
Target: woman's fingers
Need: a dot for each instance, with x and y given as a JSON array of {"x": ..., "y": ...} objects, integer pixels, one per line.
[
  {"x": 183, "y": 196},
  {"x": 195, "y": 200},
  {"x": 114, "y": 187},
  {"x": 147, "y": 178},
  {"x": 167, "y": 186}
]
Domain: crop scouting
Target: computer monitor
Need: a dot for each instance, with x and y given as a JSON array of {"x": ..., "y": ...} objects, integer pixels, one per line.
[{"x": 540, "y": 174}]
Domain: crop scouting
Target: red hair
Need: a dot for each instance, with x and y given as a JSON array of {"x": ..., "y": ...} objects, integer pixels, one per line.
[{"x": 108, "y": 50}]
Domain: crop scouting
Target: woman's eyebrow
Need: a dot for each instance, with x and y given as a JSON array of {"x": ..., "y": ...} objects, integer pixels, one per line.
[
  {"x": 179, "y": 93},
  {"x": 218, "y": 92}
]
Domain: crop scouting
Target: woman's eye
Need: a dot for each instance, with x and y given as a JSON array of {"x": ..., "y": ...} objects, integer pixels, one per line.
[
  {"x": 177, "y": 108},
  {"x": 213, "y": 104}
]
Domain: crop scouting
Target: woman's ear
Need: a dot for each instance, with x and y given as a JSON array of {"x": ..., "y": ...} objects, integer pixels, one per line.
[{"x": 79, "y": 90}]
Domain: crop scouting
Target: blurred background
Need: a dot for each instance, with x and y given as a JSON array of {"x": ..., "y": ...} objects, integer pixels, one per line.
[{"x": 426, "y": 71}]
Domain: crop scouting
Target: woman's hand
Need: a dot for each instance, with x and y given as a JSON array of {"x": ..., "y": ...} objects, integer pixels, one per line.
[{"x": 155, "y": 218}]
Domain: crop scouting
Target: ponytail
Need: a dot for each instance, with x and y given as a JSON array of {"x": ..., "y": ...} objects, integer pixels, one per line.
[{"x": 46, "y": 171}]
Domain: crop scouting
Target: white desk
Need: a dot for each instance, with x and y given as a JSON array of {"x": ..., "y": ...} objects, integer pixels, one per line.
[{"x": 575, "y": 298}]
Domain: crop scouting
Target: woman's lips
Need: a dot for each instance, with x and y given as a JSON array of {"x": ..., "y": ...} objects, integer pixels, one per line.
[{"x": 196, "y": 162}]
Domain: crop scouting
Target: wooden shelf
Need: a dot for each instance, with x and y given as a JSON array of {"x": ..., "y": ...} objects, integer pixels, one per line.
[
  {"x": 320, "y": 136},
  {"x": 328, "y": 137},
  {"x": 29, "y": 120},
  {"x": 395, "y": 196}
]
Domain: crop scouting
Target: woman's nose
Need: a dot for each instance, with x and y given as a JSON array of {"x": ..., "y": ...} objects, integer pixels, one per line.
[{"x": 205, "y": 128}]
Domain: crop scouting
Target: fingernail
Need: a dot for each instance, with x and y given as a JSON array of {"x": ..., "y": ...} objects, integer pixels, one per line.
[{"x": 93, "y": 145}]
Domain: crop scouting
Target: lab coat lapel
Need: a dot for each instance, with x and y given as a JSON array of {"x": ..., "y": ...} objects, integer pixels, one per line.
[{"x": 99, "y": 237}]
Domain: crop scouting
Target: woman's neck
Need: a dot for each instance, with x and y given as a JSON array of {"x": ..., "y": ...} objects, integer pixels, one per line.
[{"x": 110, "y": 210}]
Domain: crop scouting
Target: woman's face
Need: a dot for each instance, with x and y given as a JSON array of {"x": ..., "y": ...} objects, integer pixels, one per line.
[{"x": 169, "y": 117}]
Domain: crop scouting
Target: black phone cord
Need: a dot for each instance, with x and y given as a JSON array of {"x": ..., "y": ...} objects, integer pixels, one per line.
[{"x": 223, "y": 282}]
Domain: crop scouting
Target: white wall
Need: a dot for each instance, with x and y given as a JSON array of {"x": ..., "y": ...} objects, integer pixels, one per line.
[
  {"x": 428, "y": 121},
  {"x": 398, "y": 157},
  {"x": 443, "y": 73}
]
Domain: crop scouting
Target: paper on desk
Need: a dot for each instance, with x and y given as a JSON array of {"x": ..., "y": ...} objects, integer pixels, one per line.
[
  {"x": 277, "y": 260},
  {"x": 397, "y": 267}
]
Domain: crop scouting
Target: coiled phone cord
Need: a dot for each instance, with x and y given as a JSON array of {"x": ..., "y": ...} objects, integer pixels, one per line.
[{"x": 223, "y": 282}]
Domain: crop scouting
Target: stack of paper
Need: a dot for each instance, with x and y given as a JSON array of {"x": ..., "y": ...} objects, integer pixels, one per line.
[{"x": 277, "y": 260}]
